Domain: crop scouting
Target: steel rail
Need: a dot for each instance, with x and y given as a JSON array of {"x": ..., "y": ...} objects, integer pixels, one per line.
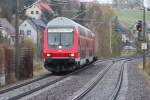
[
  {"x": 118, "y": 85},
  {"x": 25, "y": 82},
  {"x": 91, "y": 84},
  {"x": 119, "y": 82},
  {"x": 116, "y": 59},
  {"x": 47, "y": 84},
  {"x": 21, "y": 84}
]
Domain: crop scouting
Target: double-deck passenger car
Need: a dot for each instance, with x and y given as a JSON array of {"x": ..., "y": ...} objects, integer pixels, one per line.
[{"x": 67, "y": 45}]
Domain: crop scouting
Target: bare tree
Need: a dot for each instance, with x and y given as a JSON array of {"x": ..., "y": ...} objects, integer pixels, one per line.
[{"x": 100, "y": 23}]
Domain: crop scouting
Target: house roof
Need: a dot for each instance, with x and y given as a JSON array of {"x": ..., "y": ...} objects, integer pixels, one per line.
[
  {"x": 36, "y": 23},
  {"x": 4, "y": 24},
  {"x": 43, "y": 6},
  {"x": 39, "y": 22}
]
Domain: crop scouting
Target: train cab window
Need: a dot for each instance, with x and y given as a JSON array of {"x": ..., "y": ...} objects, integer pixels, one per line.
[
  {"x": 60, "y": 37},
  {"x": 53, "y": 39},
  {"x": 67, "y": 39}
]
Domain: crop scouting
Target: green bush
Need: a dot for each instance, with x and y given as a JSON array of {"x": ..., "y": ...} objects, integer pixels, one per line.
[{"x": 116, "y": 44}]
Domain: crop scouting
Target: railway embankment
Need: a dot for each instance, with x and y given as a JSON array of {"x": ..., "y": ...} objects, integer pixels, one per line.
[
  {"x": 138, "y": 88},
  {"x": 145, "y": 72}
]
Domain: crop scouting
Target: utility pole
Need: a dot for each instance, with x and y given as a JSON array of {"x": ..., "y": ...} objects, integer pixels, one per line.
[
  {"x": 144, "y": 38},
  {"x": 17, "y": 70},
  {"x": 110, "y": 36},
  {"x": 37, "y": 47}
]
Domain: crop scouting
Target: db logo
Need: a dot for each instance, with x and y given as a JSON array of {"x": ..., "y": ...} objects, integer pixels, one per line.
[{"x": 60, "y": 50}]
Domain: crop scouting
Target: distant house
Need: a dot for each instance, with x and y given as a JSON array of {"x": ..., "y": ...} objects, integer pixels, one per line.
[
  {"x": 125, "y": 38},
  {"x": 32, "y": 28},
  {"x": 148, "y": 30},
  {"x": 38, "y": 10},
  {"x": 7, "y": 31},
  {"x": 125, "y": 33}
]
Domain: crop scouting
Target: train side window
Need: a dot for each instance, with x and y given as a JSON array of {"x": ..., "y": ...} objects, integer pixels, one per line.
[
  {"x": 79, "y": 41},
  {"x": 86, "y": 43},
  {"x": 82, "y": 32}
]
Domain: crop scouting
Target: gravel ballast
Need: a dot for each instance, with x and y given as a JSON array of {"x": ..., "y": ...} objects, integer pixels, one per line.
[
  {"x": 134, "y": 86},
  {"x": 104, "y": 89},
  {"x": 65, "y": 89},
  {"x": 137, "y": 87}
]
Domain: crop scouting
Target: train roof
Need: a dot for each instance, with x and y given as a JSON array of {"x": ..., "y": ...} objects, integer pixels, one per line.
[{"x": 64, "y": 22}]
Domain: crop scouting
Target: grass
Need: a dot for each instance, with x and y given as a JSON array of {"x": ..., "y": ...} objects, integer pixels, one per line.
[
  {"x": 127, "y": 53},
  {"x": 145, "y": 72},
  {"x": 39, "y": 69},
  {"x": 131, "y": 16}
]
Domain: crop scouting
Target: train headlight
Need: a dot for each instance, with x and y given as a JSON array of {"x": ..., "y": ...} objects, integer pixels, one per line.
[
  {"x": 60, "y": 47},
  {"x": 72, "y": 55},
  {"x": 48, "y": 55}
]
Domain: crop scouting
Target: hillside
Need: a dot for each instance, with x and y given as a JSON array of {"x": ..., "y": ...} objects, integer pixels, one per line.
[{"x": 131, "y": 16}]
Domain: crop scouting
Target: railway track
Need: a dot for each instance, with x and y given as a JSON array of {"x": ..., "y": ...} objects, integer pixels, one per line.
[
  {"x": 34, "y": 81},
  {"x": 21, "y": 84},
  {"x": 119, "y": 83},
  {"x": 81, "y": 93},
  {"x": 38, "y": 80},
  {"x": 91, "y": 84}
]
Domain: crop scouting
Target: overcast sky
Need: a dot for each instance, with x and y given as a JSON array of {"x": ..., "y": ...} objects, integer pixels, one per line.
[
  {"x": 105, "y": 1},
  {"x": 101, "y": 1}
]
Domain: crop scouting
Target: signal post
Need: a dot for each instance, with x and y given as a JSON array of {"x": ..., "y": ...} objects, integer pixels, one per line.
[
  {"x": 140, "y": 27},
  {"x": 144, "y": 40}
]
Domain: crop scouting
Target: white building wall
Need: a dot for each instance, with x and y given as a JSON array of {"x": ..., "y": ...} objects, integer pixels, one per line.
[
  {"x": 26, "y": 27},
  {"x": 148, "y": 34},
  {"x": 34, "y": 12},
  {"x": 125, "y": 38}
]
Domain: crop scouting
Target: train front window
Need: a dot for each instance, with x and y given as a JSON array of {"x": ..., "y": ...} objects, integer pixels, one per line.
[
  {"x": 64, "y": 39},
  {"x": 53, "y": 39}
]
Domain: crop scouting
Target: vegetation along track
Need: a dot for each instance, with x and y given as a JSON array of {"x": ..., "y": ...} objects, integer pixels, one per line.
[{"x": 79, "y": 95}]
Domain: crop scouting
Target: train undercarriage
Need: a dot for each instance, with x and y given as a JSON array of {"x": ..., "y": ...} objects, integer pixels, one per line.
[{"x": 63, "y": 65}]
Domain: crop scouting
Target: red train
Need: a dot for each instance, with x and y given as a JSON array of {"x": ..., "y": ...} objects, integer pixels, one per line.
[{"x": 67, "y": 45}]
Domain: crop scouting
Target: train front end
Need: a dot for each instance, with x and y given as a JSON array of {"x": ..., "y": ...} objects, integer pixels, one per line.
[{"x": 60, "y": 49}]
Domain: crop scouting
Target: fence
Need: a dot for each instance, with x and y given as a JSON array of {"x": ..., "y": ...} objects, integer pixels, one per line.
[
  {"x": 7, "y": 68},
  {"x": 26, "y": 63},
  {"x": 6, "y": 65}
]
